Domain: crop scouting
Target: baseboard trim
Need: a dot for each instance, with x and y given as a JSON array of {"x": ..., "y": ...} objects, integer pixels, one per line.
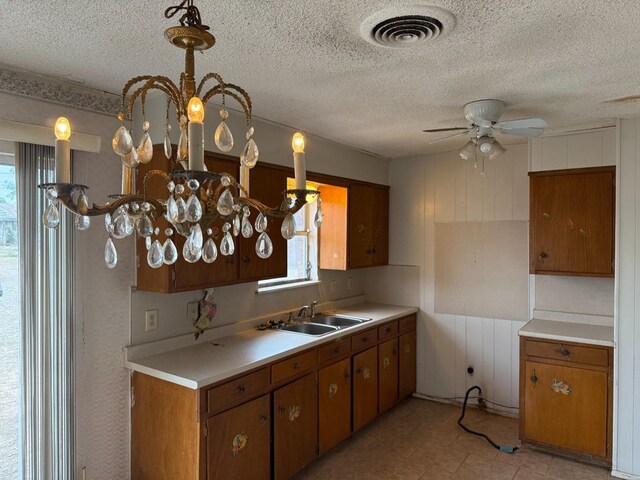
[{"x": 617, "y": 474}]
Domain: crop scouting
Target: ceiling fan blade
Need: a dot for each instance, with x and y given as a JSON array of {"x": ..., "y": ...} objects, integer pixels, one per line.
[
  {"x": 522, "y": 123},
  {"x": 441, "y": 139},
  {"x": 523, "y": 132},
  {"x": 434, "y": 130}
]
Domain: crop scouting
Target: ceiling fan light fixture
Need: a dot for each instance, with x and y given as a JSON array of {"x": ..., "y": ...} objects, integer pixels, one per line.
[
  {"x": 497, "y": 150},
  {"x": 468, "y": 150},
  {"x": 485, "y": 145}
]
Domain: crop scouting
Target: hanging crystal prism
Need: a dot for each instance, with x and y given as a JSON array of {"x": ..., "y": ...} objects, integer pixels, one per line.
[
  {"x": 225, "y": 203},
  {"x": 147, "y": 243},
  {"x": 108, "y": 224},
  {"x": 193, "y": 209},
  {"x": 131, "y": 159},
  {"x": 182, "y": 153},
  {"x": 226, "y": 244},
  {"x": 168, "y": 149},
  {"x": 170, "y": 252},
  {"x": 182, "y": 210},
  {"x": 155, "y": 255},
  {"x": 250, "y": 153},
  {"x": 83, "y": 203},
  {"x": 122, "y": 143},
  {"x": 82, "y": 222},
  {"x": 264, "y": 247},
  {"x": 236, "y": 225},
  {"x": 144, "y": 226},
  {"x": 223, "y": 136},
  {"x": 246, "y": 228},
  {"x": 122, "y": 225},
  {"x": 288, "y": 228},
  {"x": 194, "y": 240},
  {"x": 189, "y": 255},
  {"x": 51, "y": 217},
  {"x": 261, "y": 222},
  {"x": 172, "y": 213},
  {"x": 145, "y": 149},
  {"x": 110, "y": 254},
  {"x": 317, "y": 221},
  {"x": 209, "y": 251}
]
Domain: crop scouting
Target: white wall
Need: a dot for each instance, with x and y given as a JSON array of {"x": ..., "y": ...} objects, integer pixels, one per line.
[
  {"x": 626, "y": 454},
  {"x": 104, "y": 300}
]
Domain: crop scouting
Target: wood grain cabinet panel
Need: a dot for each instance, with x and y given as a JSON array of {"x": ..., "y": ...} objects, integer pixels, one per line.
[
  {"x": 566, "y": 407},
  {"x": 295, "y": 427},
  {"x": 572, "y": 222},
  {"x": 388, "y": 374},
  {"x": 365, "y": 387},
  {"x": 237, "y": 391},
  {"x": 334, "y": 404},
  {"x": 294, "y": 366},
  {"x": 238, "y": 442},
  {"x": 406, "y": 364},
  {"x": 368, "y": 242}
]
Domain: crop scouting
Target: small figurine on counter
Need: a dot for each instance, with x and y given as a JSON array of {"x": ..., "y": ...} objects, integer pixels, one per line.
[{"x": 208, "y": 310}]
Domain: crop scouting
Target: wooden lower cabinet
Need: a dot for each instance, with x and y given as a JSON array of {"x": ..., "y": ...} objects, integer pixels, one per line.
[
  {"x": 334, "y": 404},
  {"x": 238, "y": 442},
  {"x": 406, "y": 365},
  {"x": 295, "y": 427},
  {"x": 365, "y": 387},
  {"x": 567, "y": 403},
  {"x": 387, "y": 375}
]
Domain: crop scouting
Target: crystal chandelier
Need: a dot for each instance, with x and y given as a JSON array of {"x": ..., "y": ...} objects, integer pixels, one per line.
[{"x": 196, "y": 197}]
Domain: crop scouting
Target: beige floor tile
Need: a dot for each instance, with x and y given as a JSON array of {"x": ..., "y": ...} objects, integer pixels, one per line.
[
  {"x": 438, "y": 473},
  {"x": 527, "y": 458},
  {"x": 475, "y": 467},
  {"x": 526, "y": 474},
  {"x": 569, "y": 469},
  {"x": 438, "y": 455}
]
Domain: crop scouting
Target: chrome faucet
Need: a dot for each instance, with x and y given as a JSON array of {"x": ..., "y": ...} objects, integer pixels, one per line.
[{"x": 307, "y": 311}]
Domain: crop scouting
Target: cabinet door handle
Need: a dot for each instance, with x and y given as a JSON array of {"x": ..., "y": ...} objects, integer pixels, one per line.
[
  {"x": 282, "y": 409},
  {"x": 365, "y": 339},
  {"x": 542, "y": 256},
  {"x": 336, "y": 350},
  {"x": 534, "y": 377},
  {"x": 297, "y": 365},
  {"x": 246, "y": 259},
  {"x": 241, "y": 389},
  {"x": 359, "y": 371},
  {"x": 229, "y": 260},
  {"x": 263, "y": 418},
  {"x": 369, "y": 251},
  {"x": 373, "y": 251},
  {"x": 388, "y": 329},
  {"x": 347, "y": 375},
  {"x": 564, "y": 351}
]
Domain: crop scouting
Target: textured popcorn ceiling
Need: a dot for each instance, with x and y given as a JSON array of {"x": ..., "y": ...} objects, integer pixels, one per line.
[{"x": 305, "y": 64}]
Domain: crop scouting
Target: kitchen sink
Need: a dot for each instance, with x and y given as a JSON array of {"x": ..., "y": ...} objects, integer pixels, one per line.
[
  {"x": 337, "y": 320},
  {"x": 310, "y": 328}
]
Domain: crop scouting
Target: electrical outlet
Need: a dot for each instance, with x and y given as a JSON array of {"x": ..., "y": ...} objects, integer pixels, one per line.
[
  {"x": 192, "y": 311},
  {"x": 150, "y": 320},
  {"x": 350, "y": 284}
]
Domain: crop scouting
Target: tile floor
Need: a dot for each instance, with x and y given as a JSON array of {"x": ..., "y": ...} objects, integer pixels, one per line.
[{"x": 420, "y": 440}]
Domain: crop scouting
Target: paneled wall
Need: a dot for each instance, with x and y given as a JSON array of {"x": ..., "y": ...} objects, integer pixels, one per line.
[
  {"x": 626, "y": 453},
  {"x": 440, "y": 189}
]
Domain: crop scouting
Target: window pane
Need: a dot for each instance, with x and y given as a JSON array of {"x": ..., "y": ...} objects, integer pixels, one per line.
[{"x": 297, "y": 257}]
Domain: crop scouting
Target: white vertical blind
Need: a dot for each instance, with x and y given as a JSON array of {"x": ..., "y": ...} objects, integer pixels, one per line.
[{"x": 47, "y": 310}]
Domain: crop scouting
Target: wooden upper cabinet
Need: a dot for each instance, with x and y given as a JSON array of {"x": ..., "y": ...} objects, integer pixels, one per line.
[
  {"x": 267, "y": 184},
  {"x": 572, "y": 222},
  {"x": 355, "y": 230}
]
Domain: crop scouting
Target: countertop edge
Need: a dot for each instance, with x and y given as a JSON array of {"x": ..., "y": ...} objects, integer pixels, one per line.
[
  {"x": 566, "y": 338},
  {"x": 136, "y": 366}
]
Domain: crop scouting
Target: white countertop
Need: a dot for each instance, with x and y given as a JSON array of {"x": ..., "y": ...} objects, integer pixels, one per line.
[
  {"x": 211, "y": 361},
  {"x": 568, "y": 332}
]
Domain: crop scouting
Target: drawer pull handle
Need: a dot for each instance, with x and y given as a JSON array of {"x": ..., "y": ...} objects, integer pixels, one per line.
[
  {"x": 534, "y": 377},
  {"x": 263, "y": 418},
  {"x": 297, "y": 365},
  {"x": 336, "y": 350},
  {"x": 542, "y": 256},
  {"x": 241, "y": 389},
  {"x": 564, "y": 351},
  {"x": 388, "y": 329},
  {"x": 365, "y": 339}
]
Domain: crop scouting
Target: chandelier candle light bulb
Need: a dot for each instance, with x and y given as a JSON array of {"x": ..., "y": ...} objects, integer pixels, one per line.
[
  {"x": 299, "y": 161},
  {"x": 62, "y": 130},
  {"x": 195, "y": 111}
]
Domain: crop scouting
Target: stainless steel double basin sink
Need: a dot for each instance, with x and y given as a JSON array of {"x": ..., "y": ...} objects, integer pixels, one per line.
[{"x": 324, "y": 324}]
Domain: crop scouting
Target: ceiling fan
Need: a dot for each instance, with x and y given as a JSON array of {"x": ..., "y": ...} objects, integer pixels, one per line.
[{"x": 484, "y": 119}]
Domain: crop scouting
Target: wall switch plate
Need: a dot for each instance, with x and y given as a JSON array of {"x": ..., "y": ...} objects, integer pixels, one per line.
[
  {"x": 192, "y": 311},
  {"x": 150, "y": 320},
  {"x": 350, "y": 284}
]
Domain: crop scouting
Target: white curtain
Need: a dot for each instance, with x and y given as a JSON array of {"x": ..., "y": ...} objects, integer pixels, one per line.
[{"x": 47, "y": 309}]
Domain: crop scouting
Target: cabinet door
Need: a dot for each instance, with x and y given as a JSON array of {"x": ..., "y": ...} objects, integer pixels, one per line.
[
  {"x": 361, "y": 221},
  {"x": 566, "y": 407},
  {"x": 295, "y": 427},
  {"x": 572, "y": 222},
  {"x": 224, "y": 270},
  {"x": 388, "y": 374},
  {"x": 380, "y": 230},
  {"x": 407, "y": 365},
  {"x": 266, "y": 184},
  {"x": 365, "y": 387},
  {"x": 238, "y": 442},
  {"x": 334, "y": 391}
]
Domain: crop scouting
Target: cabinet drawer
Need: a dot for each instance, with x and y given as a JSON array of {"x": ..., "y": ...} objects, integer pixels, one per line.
[
  {"x": 407, "y": 324},
  {"x": 294, "y": 366},
  {"x": 237, "y": 391},
  {"x": 334, "y": 350},
  {"x": 364, "y": 339},
  {"x": 387, "y": 330},
  {"x": 568, "y": 352}
]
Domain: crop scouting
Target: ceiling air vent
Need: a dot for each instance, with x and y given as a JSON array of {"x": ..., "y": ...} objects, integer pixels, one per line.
[{"x": 407, "y": 26}]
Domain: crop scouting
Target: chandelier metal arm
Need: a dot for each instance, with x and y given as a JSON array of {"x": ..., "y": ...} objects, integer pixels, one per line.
[
  {"x": 152, "y": 82},
  {"x": 217, "y": 90}
]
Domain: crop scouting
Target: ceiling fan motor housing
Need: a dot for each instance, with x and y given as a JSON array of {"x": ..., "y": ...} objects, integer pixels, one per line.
[{"x": 483, "y": 113}]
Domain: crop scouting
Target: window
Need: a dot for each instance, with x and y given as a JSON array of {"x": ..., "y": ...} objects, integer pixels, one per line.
[{"x": 302, "y": 250}]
